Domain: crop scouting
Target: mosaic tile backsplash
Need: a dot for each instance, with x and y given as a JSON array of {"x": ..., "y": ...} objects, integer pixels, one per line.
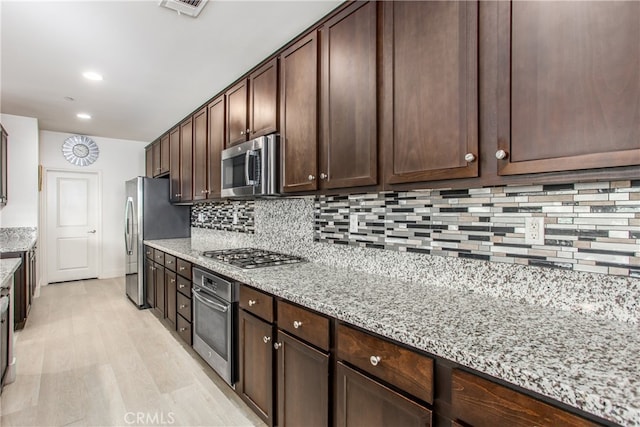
[
  {"x": 226, "y": 215},
  {"x": 592, "y": 227}
]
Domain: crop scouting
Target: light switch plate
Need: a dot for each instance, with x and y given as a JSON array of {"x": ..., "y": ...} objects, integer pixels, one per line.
[{"x": 353, "y": 223}]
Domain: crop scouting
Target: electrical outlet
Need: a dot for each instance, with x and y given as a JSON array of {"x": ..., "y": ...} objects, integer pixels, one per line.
[
  {"x": 235, "y": 215},
  {"x": 353, "y": 223},
  {"x": 200, "y": 217},
  {"x": 534, "y": 230}
]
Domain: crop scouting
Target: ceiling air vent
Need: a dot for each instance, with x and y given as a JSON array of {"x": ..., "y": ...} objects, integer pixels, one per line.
[{"x": 184, "y": 7}]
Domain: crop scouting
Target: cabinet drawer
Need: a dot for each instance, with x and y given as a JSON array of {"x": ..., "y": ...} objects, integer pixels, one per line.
[
  {"x": 406, "y": 369},
  {"x": 184, "y": 286},
  {"x": 148, "y": 252},
  {"x": 184, "y": 268},
  {"x": 183, "y": 305},
  {"x": 184, "y": 330},
  {"x": 302, "y": 323},
  {"x": 158, "y": 256},
  {"x": 257, "y": 302},
  {"x": 170, "y": 262},
  {"x": 480, "y": 402}
]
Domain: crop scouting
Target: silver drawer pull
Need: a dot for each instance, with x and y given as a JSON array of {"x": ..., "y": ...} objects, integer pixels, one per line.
[
  {"x": 374, "y": 360},
  {"x": 252, "y": 302},
  {"x": 296, "y": 324},
  {"x": 173, "y": 280},
  {"x": 181, "y": 268},
  {"x": 266, "y": 339},
  {"x": 181, "y": 286}
]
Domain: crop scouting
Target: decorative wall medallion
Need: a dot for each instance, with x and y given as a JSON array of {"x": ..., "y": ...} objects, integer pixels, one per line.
[{"x": 80, "y": 150}]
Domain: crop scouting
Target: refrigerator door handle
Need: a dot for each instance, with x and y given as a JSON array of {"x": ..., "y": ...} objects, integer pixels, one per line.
[{"x": 128, "y": 225}]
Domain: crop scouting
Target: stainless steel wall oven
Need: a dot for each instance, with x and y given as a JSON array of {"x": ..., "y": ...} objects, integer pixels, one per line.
[{"x": 215, "y": 324}]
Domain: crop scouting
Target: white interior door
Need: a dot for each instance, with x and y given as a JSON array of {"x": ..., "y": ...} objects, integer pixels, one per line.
[{"x": 72, "y": 225}]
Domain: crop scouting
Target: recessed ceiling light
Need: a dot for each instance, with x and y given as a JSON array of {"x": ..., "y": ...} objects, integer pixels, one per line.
[
  {"x": 83, "y": 116},
  {"x": 92, "y": 75}
]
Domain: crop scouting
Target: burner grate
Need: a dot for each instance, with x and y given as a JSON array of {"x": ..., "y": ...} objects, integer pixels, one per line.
[{"x": 249, "y": 258}]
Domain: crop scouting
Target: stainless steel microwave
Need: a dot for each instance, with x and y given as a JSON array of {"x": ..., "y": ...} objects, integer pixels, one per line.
[{"x": 251, "y": 168}]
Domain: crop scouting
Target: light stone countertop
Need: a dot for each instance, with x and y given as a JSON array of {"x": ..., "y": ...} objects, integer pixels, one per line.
[
  {"x": 18, "y": 239},
  {"x": 584, "y": 361},
  {"x": 8, "y": 266}
]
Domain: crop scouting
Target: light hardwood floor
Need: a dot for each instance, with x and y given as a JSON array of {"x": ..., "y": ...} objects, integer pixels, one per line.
[{"x": 87, "y": 356}]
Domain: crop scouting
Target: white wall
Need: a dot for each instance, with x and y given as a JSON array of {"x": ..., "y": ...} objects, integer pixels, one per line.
[
  {"x": 22, "y": 158},
  {"x": 119, "y": 161}
]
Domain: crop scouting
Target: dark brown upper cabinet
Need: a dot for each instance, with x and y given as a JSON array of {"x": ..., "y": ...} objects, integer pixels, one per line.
[
  {"x": 348, "y": 153},
  {"x": 186, "y": 160},
  {"x": 569, "y": 86},
  {"x": 252, "y": 105},
  {"x": 174, "y": 160},
  {"x": 429, "y": 124},
  {"x": 200, "y": 163},
  {"x": 164, "y": 154},
  {"x": 156, "y": 150},
  {"x": 148, "y": 156},
  {"x": 299, "y": 115},
  {"x": 215, "y": 144}
]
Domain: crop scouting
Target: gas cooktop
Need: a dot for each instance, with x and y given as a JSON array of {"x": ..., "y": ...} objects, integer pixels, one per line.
[{"x": 248, "y": 258}]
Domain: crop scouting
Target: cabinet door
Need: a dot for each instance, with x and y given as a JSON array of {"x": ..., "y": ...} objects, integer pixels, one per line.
[
  {"x": 164, "y": 153},
  {"x": 363, "y": 402},
  {"x": 174, "y": 160},
  {"x": 348, "y": 155},
  {"x": 148, "y": 159},
  {"x": 200, "y": 155},
  {"x": 170, "y": 306},
  {"x": 237, "y": 124},
  {"x": 160, "y": 291},
  {"x": 263, "y": 99},
  {"x": 4, "y": 140},
  {"x": 569, "y": 85},
  {"x": 150, "y": 283},
  {"x": 430, "y": 84},
  {"x": 156, "y": 148},
  {"x": 303, "y": 384},
  {"x": 255, "y": 384},
  {"x": 299, "y": 115},
  {"x": 215, "y": 147},
  {"x": 186, "y": 160}
]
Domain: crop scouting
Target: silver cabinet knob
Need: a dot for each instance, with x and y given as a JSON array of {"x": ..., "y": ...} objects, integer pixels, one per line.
[
  {"x": 183, "y": 329},
  {"x": 324, "y": 176},
  {"x": 469, "y": 157},
  {"x": 173, "y": 280},
  {"x": 252, "y": 302},
  {"x": 501, "y": 154},
  {"x": 169, "y": 262},
  {"x": 297, "y": 324},
  {"x": 158, "y": 169},
  {"x": 266, "y": 339},
  {"x": 249, "y": 131},
  {"x": 311, "y": 177},
  {"x": 182, "y": 306},
  {"x": 374, "y": 360},
  {"x": 203, "y": 191},
  {"x": 277, "y": 345},
  {"x": 181, "y": 286},
  {"x": 178, "y": 195},
  {"x": 241, "y": 132}
]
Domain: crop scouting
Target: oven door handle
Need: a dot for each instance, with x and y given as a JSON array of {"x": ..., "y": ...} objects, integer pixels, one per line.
[{"x": 208, "y": 302}]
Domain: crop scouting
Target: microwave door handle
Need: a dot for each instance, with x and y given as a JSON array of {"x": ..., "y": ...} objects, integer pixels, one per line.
[{"x": 247, "y": 176}]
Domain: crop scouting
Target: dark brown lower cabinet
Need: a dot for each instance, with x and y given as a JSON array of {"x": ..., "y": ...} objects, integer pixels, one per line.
[
  {"x": 184, "y": 329},
  {"x": 159, "y": 308},
  {"x": 361, "y": 401},
  {"x": 150, "y": 282},
  {"x": 478, "y": 402},
  {"x": 170, "y": 300},
  {"x": 255, "y": 385},
  {"x": 303, "y": 383},
  {"x": 25, "y": 282}
]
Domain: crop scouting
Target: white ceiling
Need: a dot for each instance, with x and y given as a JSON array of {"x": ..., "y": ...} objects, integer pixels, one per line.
[{"x": 158, "y": 66}]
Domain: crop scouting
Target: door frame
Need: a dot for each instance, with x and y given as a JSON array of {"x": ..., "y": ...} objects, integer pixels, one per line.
[{"x": 43, "y": 234}]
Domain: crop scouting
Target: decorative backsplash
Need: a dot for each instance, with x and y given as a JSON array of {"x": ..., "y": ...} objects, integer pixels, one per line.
[
  {"x": 227, "y": 215},
  {"x": 592, "y": 227}
]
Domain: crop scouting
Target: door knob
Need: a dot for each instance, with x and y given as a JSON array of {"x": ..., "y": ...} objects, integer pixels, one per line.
[{"x": 92, "y": 231}]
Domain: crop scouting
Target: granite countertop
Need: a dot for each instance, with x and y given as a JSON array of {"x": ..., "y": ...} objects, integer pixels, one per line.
[
  {"x": 584, "y": 361},
  {"x": 8, "y": 266},
  {"x": 18, "y": 239}
]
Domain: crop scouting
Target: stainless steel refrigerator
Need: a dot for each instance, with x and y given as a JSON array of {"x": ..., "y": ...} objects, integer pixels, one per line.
[{"x": 148, "y": 216}]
